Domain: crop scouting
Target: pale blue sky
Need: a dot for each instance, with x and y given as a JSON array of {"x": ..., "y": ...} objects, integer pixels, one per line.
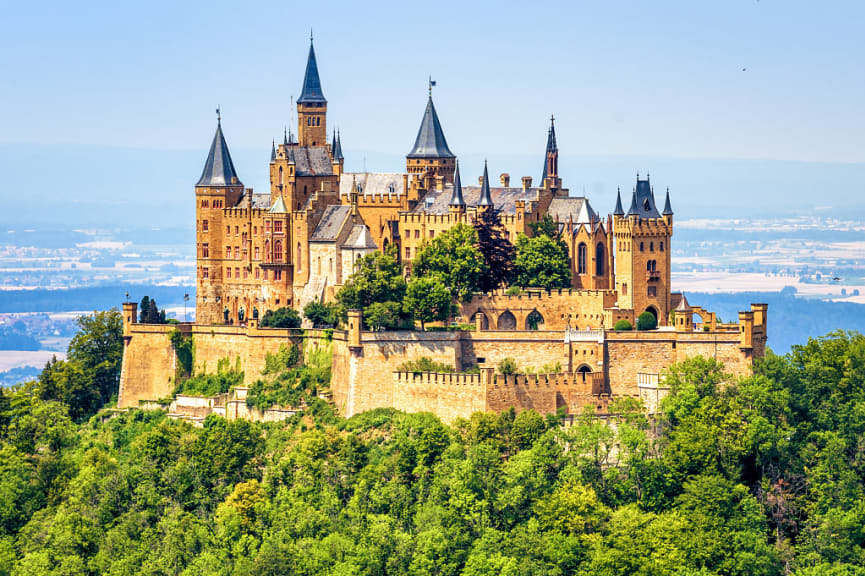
[{"x": 625, "y": 79}]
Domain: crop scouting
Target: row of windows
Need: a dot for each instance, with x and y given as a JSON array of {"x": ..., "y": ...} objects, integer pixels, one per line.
[
  {"x": 652, "y": 246},
  {"x": 205, "y": 203},
  {"x": 313, "y": 120},
  {"x": 236, "y": 273}
]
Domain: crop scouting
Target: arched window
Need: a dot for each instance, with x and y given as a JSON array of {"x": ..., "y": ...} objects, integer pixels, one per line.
[
  {"x": 641, "y": 247},
  {"x": 280, "y": 175},
  {"x": 599, "y": 259},
  {"x": 298, "y": 259},
  {"x": 662, "y": 246},
  {"x": 277, "y": 251},
  {"x": 581, "y": 258},
  {"x": 648, "y": 265},
  {"x": 267, "y": 250}
]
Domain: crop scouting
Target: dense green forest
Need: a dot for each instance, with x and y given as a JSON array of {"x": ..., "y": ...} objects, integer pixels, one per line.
[{"x": 763, "y": 475}]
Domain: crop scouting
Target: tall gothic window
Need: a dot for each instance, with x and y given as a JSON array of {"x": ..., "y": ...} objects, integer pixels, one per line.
[
  {"x": 277, "y": 251},
  {"x": 581, "y": 258},
  {"x": 599, "y": 259}
]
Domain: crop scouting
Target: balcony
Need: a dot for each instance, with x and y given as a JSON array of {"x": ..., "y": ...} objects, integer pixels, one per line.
[{"x": 652, "y": 276}]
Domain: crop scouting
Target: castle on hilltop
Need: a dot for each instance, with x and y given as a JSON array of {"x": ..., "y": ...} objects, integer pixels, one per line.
[{"x": 301, "y": 241}]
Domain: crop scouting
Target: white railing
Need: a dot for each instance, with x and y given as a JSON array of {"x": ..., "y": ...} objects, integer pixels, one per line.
[{"x": 575, "y": 335}]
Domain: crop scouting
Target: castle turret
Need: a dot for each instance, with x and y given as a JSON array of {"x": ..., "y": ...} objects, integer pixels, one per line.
[
  {"x": 457, "y": 203},
  {"x": 643, "y": 254},
  {"x": 336, "y": 153},
  {"x": 430, "y": 153},
  {"x": 486, "y": 200},
  {"x": 312, "y": 106},
  {"x": 218, "y": 189}
]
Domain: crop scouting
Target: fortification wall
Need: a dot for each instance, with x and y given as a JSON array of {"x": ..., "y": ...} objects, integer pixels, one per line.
[
  {"x": 449, "y": 396},
  {"x": 149, "y": 365},
  {"x": 530, "y": 348},
  {"x": 558, "y": 308}
]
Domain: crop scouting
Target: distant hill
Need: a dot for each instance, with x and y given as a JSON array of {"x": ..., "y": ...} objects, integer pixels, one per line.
[
  {"x": 90, "y": 298},
  {"x": 792, "y": 320}
]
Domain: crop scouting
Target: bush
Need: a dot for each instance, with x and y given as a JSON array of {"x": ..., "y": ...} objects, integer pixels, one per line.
[
  {"x": 623, "y": 325},
  {"x": 424, "y": 364},
  {"x": 224, "y": 380},
  {"x": 514, "y": 291},
  {"x": 283, "y": 317},
  {"x": 321, "y": 315},
  {"x": 647, "y": 321},
  {"x": 508, "y": 366}
]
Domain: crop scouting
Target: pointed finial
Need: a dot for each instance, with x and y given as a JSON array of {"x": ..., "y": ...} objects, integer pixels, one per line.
[
  {"x": 310, "y": 35},
  {"x": 218, "y": 115}
]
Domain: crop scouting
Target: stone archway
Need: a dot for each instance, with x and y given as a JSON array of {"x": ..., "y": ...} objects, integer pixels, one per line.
[
  {"x": 534, "y": 321},
  {"x": 653, "y": 311},
  {"x": 482, "y": 320},
  {"x": 507, "y": 321},
  {"x": 583, "y": 370}
]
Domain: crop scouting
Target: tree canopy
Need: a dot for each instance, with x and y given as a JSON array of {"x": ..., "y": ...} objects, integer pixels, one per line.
[
  {"x": 542, "y": 262},
  {"x": 377, "y": 287},
  {"x": 453, "y": 257},
  {"x": 283, "y": 317},
  {"x": 496, "y": 249}
]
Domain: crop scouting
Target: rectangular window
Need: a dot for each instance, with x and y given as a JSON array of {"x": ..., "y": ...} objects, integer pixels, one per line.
[
  {"x": 237, "y": 251},
  {"x": 205, "y": 250},
  {"x": 265, "y": 274},
  {"x": 432, "y": 233},
  {"x": 257, "y": 253},
  {"x": 228, "y": 272},
  {"x": 237, "y": 273},
  {"x": 257, "y": 273},
  {"x": 228, "y": 251},
  {"x": 204, "y": 225},
  {"x": 407, "y": 253},
  {"x": 245, "y": 273},
  {"x": 255, "y": 230},
  {"x": 267, "y": 226},
  {"x": 205, "y": 272},
  {"x": 417, "y": 233},
  {"x": 653, "y": 291},
  {"x": 236, "y": 230},
  {"x": 277, "y": 226}
]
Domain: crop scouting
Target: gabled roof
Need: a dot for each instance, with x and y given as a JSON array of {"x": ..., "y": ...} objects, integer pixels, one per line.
[
  {"x": 279, "y": 206},
  {"x": 457, "y": 196},
  {"x": 360, "y": 238},
  {"x": 332, "y": 221},
  {"x": 576, "y": 209},
  {"x": 219, "y": 169},
  {"x": 372, "y": 184},
  {"x": 311, "y": 92},
  {"x": 430, "y": 141},
  {"x": 485, "y": 200},
  {"x": 643, "y": 201}
]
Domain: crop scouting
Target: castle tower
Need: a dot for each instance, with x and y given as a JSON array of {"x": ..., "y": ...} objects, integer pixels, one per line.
[
  {"x": 217, "y": 189},
  {"x": 430, "y": 154},
  {"x": 643, "y": 253},
  {"x": 311, "y": 106},
  {"x": 550, "y": 178}
]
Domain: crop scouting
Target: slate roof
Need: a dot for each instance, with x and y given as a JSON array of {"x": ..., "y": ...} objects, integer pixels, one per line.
[
  {"x": 331, "y": 223},
  {"x": 373, "y": 184},
  {"x": 436, "y": 202},
  {"x": 643, "y": 201},
  {"x": 668, "y": 210},
  {"x": 619, "y": 211},
  {"x": 457, "y": 196},
  {"x": 577, "y": 209},
  {"x": 359, "y": 238},
  {"x": 261, "y": 201},
  {"x": 683, "y": 305},
  {"x": 485, "y": 199},
  {"x": 311, "y": 92},
  {"x": 218, "y": 168},
  {"x": 430, "y": 141},
  {"x": 278, "y": 206},
  {"x": 311, "y": 160}
]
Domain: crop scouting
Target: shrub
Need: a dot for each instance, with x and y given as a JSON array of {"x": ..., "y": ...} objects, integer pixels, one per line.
[
  {"x": 514, "y": 291},
  {"x": 424, "y": 364},
  {"x": 647, "y": 321},
  {"x": 382, "y": 315},
  {"x": 321, "y": 315},
  {"x": 623, "y": 325},
  {"x": 224, "y": 380},
  {"x": 283, "y": 317},
  {"x": 184, "y": 352},
  {"x": 508, "y": 366}
]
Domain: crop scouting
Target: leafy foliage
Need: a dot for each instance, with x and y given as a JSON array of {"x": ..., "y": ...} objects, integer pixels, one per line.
[
  {"x": 283, "y": 317},
  {"x": 285, "y": 383},
  {"x": 542, "y": 261},
  {"x": 508, "y": 366},
  {"x": 377, "y": 288},
  {"x": 623, "y": 325},
  {"x": 203, "y": 384},
  {"x": 322, "y": 315},
  {"x": 149, "y": 312},
  {"x": 496, "y": 249},
  {"x": 454, "y": 257},
  {"x": 762, "y": 475},
  {"x": 425, "y": 364},
  {"x": 647, "y": 321},
  {"x": 427, "y": 300}
]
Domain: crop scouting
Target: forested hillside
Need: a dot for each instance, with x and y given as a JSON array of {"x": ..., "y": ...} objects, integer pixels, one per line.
[{"x": 756, "y": 477}]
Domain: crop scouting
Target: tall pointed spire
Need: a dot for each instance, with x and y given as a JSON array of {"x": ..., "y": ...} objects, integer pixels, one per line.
[
  {"x": 633, "y": 211},
  {"x": 552, "y": 146},
  {"x": 457, "y": 197},
  {"x": 311, "y": 92},
  {"x": 551, "y": 155},
  {"x": 668, "y": 210},
  {"x": 430, "y": 141},
  {"x": 485, "y": 200},
  {"x": 337, "y": 151},
  {"x": 219, "y": 169},
  {"x": 285, "y": 136},
  {"x": 619, "y": 211},
  {"x": 333, "y": 145},
  {"x": 273, "y": 151}
]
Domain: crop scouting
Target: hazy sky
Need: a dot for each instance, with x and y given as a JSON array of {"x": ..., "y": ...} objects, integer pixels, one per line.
[{"x": 648, "y": 78}]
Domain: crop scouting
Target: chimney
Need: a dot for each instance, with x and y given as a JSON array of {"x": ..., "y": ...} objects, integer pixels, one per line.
[
  {"x": 505, "y": 179},
  {"x": 527, "y": 183}
]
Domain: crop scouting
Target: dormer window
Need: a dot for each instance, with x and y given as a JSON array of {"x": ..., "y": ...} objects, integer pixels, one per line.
[{"x": 646, "y": 205}]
